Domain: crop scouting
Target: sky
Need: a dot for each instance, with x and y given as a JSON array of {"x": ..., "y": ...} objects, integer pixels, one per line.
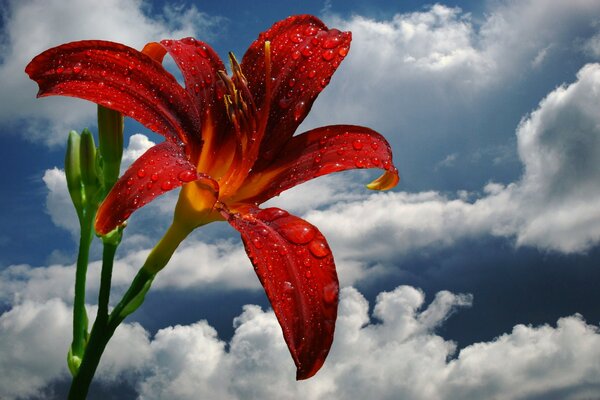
[{"x": 475, "y": 278}]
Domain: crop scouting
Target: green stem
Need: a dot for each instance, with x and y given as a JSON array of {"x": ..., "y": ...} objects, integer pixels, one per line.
[
  {"x": 80, "y": 320},
  {"x": 105, "y": 325},
  {"x": 108, "y": 257}
]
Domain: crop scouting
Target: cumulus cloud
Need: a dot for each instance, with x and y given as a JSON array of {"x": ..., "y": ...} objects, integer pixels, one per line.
[
  {"x": 393, "y": 353},
  {"x": 553, "y": 205},
  {"x": 32, "y": 26}
]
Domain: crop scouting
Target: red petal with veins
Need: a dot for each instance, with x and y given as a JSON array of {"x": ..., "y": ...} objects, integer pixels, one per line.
[
  {"x": 304, "y": 56},
  {"x": 320, "y": 152},
  {"x": 160, "y": 169},
  {"x": 120, "y": 78},
  {"x": 295, "y": 266}
]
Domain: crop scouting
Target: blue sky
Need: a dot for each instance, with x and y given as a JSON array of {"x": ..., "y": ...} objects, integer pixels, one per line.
[{"x": 475, "y": 278}]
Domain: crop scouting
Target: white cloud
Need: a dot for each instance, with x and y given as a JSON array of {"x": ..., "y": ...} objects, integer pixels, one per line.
[
  {"x": 33, "y": 26},
  {"x": 395, "y": 352},
  {"x": 553, "y": 206}
]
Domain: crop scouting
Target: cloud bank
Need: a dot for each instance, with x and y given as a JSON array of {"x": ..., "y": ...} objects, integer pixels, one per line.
[
  {"x": 393, "y": 353},
  {"x": 32, "y": 26}
]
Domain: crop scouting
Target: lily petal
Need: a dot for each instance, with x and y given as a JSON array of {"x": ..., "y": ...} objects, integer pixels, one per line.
[
  {"x": 199, "y": 65},
  {"x": 304, "y": 56},
  {"x": 295, "y": 266},
  {"x": 318, "y": 152},
  {"x": 120, "y": 78},
  {"x": 162, "y": 168}
]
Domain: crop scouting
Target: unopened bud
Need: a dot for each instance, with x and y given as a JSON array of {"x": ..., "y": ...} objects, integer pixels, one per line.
[
  {"x": 73, "y": 171},
  {"x": 110, "y": 136}
]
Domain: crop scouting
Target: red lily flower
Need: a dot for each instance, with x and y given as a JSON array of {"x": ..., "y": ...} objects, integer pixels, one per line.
[{"x": 230, "y": 144}]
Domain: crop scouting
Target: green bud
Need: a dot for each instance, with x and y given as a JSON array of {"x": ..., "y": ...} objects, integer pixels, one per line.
[
  {"x": 89, "y": 175},
  {"x": 73, "y": 171},
  {"x": 110, "y": 135},
  {"x": 73, "y": 362}
]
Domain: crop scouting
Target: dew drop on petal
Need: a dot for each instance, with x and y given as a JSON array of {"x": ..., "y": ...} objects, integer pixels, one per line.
[
  {"x": 299, "y": 110},
  {"x": 166, "y": 185},
  {"x": 257, "y": 242},
  {"x": 328, "y": 55},
  {"x": 357, "y": 145},
  {"x": 287, "y": 286},
  {"x": 319, "y": 248},
  {"x": 187, "y": 176},
  {"x": 311, "y": 30},
  {"x": 298, "y": 231},
  {"x": 141, "y": 173},
  {"x": 77, "y": 68},
  {"x": 331, "y": 41},
  {"x": 271, "y": 214},
  {"x": 343, "y": 51}
]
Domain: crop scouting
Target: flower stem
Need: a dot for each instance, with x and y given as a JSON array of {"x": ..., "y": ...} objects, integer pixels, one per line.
[
  {"x": 80, "y": 320},
  {"x": 106, "y": 324}
]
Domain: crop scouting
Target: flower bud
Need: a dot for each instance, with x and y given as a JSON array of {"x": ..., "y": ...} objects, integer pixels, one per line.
[
  {"x": 110, "y": 136},
  {"x": 73, "y": 171}
]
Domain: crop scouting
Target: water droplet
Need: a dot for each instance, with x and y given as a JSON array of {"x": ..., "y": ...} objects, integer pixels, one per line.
[
  {"x": 299, "y": 110},
  {"x": 141, "y": 173},
  {"x": 306, "y": 51},
  {"x": 296, "y": 37},
  {"x": 201, "y": 50},
  {"x": 136, "y": 201},
  {"x": 359, "y": 163},
  {"x": 374, "y": 145},
  {"x": 317, "y": 159},
  {"x": 77, "y": 68},
  {"x": 296, "y": 55},
  {"x": 386, "y": 164},
  {"x": 103, "y": 73},
  {"x": 194, "y": 71},
  {"x": 287, "y": 286},
  {"x": 376, "y": 161},
  {"x": 149, "y": 185},
  {"x": 330, "y": 293},
  {"x": 187, "y": 176},
  {"x": 292, "y": 82},
  {"x": 331, "y": 41},
  {"x": 357, "y": 145},
  {"x": 328, "y": 55},
  {"x": 60, "y": 69},
  {"x": 166, "y": 185},
  {"x": 311, "y": 30},
  {"x": 308, "y": 274},
  {"x": 257, "y": 242},
  {"x": 129, "y": 182},
  {"x": 271, "y": 214},
  {"x": 319, "y": 248},
  {"x": 298, "y": 231},
  {"x": 324, "y": 82}
]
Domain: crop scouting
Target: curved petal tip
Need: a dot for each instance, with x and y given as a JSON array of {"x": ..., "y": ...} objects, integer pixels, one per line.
[{"x": 386, "y": 181}]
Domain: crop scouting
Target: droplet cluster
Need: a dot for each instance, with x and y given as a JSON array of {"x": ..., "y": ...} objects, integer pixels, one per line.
[{"x": 294, "y": 263}]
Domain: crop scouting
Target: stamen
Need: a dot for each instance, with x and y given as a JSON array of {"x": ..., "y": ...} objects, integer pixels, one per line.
[{"x": 267, "y": 70}]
